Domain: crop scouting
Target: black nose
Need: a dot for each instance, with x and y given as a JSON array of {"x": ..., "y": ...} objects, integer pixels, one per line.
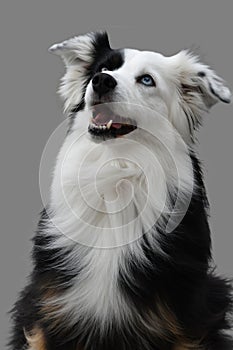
[{"x": 103, "y": 83}]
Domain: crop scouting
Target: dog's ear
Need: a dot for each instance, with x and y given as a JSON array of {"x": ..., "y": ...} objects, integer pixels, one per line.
[
  {"x": 79, "y": 49},
  {"x": 79, "y": 55},
  {"x": 196, "y": 77},
  {"x": 199, "y": 87}
]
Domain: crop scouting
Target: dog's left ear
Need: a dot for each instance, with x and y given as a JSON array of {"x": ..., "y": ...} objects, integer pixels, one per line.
[
  {"x": 199, "y": 88},
  {"x": 197, "y": 78}
]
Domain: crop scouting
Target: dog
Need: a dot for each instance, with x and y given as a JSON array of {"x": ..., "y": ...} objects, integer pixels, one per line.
[{"x": 122, "y": 254}]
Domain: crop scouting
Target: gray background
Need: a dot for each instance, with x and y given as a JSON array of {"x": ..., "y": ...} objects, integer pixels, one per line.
[{"x": 30, "y": 109}]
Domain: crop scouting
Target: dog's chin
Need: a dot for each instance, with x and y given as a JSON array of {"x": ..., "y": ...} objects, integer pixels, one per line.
[{"x": 107, "y": 124}]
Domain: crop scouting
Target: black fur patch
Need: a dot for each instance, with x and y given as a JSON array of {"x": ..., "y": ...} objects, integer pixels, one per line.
[{"x": 103, "y": 56}]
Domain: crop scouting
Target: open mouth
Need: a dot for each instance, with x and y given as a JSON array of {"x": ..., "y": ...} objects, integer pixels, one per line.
[{"x": 105, "y": 124}]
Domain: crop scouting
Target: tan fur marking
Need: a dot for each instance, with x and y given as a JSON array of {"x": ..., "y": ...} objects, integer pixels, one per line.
[
  {"x": 49, "y": 310},
  {"x": 187, "y": 346},
  {"x": 180, "y": 347},
  {"x": 36, "y": 339},
  {"x": 169, "y": 320},
  {"x": 170, "y": 324}
]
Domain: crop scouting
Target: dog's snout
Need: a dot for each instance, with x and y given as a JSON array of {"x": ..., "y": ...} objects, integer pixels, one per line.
[{"x": 103, "y": 83}]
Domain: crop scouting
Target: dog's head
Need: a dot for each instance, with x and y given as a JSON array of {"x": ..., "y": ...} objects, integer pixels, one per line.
[{"x": 178, "y": 87}]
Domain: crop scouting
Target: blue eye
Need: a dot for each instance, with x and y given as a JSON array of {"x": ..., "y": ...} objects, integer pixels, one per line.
[{"x": 146, "y": 80}]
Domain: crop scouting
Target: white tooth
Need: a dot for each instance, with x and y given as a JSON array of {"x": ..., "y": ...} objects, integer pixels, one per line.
[
  {"x": 104, "y": 127},
  {"x": 109, "y": 124}
]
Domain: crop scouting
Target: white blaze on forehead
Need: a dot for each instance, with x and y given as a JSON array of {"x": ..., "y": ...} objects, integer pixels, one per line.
[
  {"x": 130, "y": 53},
  {"x": 147, "y": 60}
]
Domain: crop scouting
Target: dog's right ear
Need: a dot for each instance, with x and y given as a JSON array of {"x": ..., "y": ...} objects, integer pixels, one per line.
[
  {"x": 81, "y": 48},
  {"x": 79, "y": 55}
]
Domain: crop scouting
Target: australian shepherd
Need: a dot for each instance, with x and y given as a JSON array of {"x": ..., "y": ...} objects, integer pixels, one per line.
[{"x": 122, "y": 254}]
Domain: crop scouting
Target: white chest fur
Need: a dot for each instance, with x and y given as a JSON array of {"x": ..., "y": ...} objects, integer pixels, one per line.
[{"x": 103, "y": 198}]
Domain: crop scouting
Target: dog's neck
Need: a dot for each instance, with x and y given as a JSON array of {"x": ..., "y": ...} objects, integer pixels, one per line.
[{"x": 109, "y": 194}]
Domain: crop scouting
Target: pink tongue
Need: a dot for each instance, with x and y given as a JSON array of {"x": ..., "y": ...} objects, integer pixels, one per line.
[
  {"x": 101, "y": 119},
  {"x": 116, "y": 125}
]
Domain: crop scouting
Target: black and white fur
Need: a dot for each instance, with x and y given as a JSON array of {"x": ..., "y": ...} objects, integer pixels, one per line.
[{"x": 102, "y": 280}]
